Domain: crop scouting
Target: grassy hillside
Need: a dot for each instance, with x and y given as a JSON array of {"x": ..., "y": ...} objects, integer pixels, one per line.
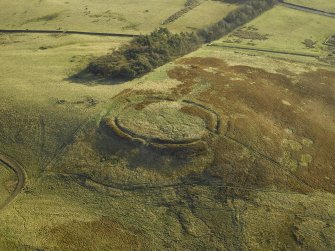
[
  {"x": 222, "y": 149},
  {"x": 91, "y": 187},
  {"x": 38, "y": 98},
  {"x": 108, "y": 16},
  {"x": 118, "y": 16}
]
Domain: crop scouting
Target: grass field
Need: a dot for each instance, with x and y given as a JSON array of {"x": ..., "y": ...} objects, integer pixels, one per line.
[
  {"x": 270, "y": 31},
  {"x": 246, "y": 91},
  {"x": 116, "y": 16},
  {"x": 40, "y": 101},
  {"x": 263, "y": 181},
  {"x": 325, "y": 5},
  {"x": 105, "y": 16},
  {"x": 203, "y": 15}
]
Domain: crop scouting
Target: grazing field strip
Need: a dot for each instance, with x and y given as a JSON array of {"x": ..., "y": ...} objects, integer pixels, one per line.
[
  {"x": 264, "y": 50},
  {"x": 19, "y": 171},
  {"x": 70, "y": 32},
  {"x": 307, "y": 9}
]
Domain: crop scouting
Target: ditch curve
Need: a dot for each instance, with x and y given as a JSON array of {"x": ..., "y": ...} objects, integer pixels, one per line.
[{"x": 21, "y": 177}]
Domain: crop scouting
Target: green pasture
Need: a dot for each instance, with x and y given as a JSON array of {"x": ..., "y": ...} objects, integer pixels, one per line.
[
  {"x": 284, "y": 29},
  {"x": 325, "y": 5}
]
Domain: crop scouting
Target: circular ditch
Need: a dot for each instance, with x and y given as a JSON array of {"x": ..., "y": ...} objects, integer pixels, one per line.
[{"x": 164, "y": 124}]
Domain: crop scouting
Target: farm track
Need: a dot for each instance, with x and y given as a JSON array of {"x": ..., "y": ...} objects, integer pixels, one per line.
[
  {"x": 264, "y": 50},
  {"x": 307, "y": 9},
  {"x": 70, "y": 32},
  {"x": 19, "y": 171}
]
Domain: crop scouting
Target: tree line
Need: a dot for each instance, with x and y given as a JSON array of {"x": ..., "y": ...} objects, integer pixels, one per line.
[{"x": 147, "y": 52}]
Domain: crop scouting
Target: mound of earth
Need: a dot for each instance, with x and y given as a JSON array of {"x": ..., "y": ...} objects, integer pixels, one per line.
[{"x": 160, "y": 122}]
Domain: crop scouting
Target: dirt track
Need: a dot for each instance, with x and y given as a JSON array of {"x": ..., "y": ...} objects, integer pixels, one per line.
[{"x": 19, "y": 171}]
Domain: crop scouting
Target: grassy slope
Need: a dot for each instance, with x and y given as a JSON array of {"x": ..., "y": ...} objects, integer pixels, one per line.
[
  {"x": 33, "y": 80},
  {"x": 104, "y": 16},
  {"x": 325, "y": 5},
  {"x": 55, "y": 212},
  {"x": 287, "y": 29}
]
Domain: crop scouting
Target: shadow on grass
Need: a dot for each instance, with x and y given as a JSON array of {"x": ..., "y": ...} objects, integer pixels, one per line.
[{"x": 86, "y": 78}]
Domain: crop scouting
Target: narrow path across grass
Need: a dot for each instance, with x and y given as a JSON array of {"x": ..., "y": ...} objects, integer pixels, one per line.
[{"x": 19, "y": 171}]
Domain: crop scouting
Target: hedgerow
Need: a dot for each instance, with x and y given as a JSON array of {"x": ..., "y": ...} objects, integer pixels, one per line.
[{"x": 147, "y": 52}]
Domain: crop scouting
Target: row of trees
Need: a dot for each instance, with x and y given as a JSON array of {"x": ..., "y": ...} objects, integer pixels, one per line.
[
  {"x": 144, "y": 54},
  {"x": 236, "y": 18},
  {"x": 147, "y": 52}
]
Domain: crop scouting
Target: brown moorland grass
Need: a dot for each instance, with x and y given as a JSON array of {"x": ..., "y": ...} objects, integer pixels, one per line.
[
  {"x": 108, "y": 233},
  {"x": 211, "y": 120},
  {"x": 285, "y": 120}
]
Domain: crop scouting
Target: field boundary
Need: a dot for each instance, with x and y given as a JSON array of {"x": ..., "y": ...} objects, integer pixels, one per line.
[
  {"x": 71, "y": 33},
  {"x": 21, "y": 176},
  {"x": 264, "y": 50},
  {"x": 307, "y": 9}
]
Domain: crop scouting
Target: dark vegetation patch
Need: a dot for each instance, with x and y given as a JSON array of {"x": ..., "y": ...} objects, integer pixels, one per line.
[
  {"x": 233, "y": 1},
  {"x": 144, "y": 53},
  {"x": 309, "y": 43},
  {"x": 189, "y": 5},
  {"x": 45, "y": 18},
  {"x": 140, "y": 106},
  {"x": 252, "y": 99},
  {"x": 87, "y": 101},
  {"x": 108, "y": 233},
  {"x": 190, "y": 2},
  {"x": 331, "y": 41},
  {"x": 147, "y": 52},
  {"x": 236, "y": 18},
  {"x": 203, "y": 114},
  {"x": 249, "y": 34}
]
